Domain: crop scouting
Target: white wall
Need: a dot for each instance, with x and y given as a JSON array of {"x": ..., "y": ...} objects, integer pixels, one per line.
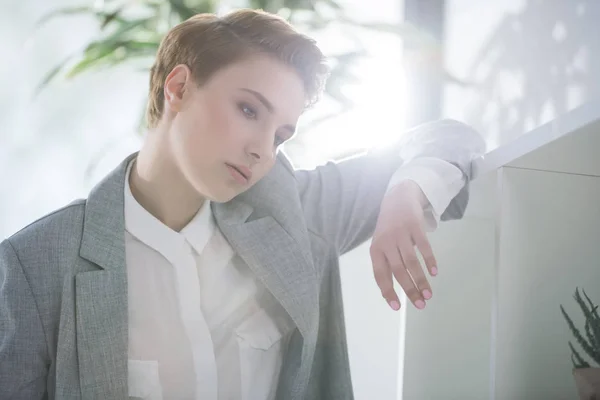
[{"x": 530, "y": 60}]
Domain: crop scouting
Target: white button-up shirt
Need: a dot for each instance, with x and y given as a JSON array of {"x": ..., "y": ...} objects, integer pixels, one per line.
[{"x": 201, "y": 326}]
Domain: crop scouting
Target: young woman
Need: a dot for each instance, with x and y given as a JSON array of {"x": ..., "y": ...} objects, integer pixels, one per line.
[{"x": 205, "y": 266}]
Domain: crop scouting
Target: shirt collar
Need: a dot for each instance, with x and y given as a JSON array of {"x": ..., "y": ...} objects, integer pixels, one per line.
[
  {"x": 151, "y": 231},
  {"x": 201, "y": 228}
]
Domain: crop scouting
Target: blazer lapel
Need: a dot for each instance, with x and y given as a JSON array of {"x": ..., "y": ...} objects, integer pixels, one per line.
[
  {"x": 277, "y": 260},
  {"x": 265, "y": 226},
  {"x": 101, "y": 296}
]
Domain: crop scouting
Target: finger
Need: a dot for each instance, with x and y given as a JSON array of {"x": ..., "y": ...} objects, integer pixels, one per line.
[
  {"x": 424, "y": 247},
  {"x": 383, "y": 277},
  {"x": 402, "y": 276},
  {"x": 409, "y": 256}
]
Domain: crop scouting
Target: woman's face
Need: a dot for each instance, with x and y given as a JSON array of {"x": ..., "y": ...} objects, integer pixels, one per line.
[{"x": 225, "y": 134}]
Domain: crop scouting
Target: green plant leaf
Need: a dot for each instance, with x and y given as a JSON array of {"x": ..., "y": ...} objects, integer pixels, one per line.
[
  {"x": 259, "y": 4},
  {"x": 578, "y": 361},
  {"x": 104, "y": 54},
  {"x": 114, "y": 48},
  {"x": 589, "y": 313},
  {"x": 589, "y": 333},
  {"x": 103, "y": 50},
  {"x": 110, "y": 17},
  {"x": 582, "y": 304},
  {"x": 88, "y": 62},
  {"x": 594, "y": 308},
  {"x": 125, "y": 27},
  {"x": 184, "y": 11},
  {"x": 594, "y": 321},
  {"x": 587, "y": 347}
]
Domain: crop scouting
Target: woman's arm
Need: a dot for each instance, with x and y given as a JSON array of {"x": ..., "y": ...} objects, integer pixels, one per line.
[
  {"x": 23, "y": 351},
  {"x": 341, "y": 200}
]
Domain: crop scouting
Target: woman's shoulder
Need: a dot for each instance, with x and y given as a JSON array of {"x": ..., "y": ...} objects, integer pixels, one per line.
[{"x": 54, "y": 232}]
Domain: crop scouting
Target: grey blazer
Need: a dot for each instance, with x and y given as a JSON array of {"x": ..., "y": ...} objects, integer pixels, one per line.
[{"x": 63, "y": 280}]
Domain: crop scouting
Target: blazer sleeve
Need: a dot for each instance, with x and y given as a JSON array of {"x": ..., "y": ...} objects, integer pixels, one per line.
[
  {"x": 23, "y": 350},
  {"x": 341, "y": 200}
]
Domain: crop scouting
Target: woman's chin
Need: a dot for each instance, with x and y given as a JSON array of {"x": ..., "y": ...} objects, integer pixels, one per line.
[{"x": 224, "y": 194}]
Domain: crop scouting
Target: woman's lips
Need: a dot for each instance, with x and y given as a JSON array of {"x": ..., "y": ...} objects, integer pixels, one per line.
[{"x": 241, "y": 174}]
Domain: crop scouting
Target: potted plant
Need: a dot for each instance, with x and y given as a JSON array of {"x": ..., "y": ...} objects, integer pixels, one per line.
[{"x": 587, "y": 376}]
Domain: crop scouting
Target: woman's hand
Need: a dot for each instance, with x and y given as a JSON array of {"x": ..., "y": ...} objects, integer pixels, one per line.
[{"x": 400, "y": 227}]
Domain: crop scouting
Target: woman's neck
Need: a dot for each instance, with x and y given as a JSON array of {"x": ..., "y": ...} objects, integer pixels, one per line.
[{"x": 159, "y": 186}]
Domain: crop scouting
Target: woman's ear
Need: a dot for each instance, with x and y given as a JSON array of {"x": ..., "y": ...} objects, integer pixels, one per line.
[{"x": 175, "y": 86}]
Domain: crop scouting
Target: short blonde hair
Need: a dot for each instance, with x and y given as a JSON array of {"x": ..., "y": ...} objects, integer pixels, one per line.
[{"x": 206, "y": 42}]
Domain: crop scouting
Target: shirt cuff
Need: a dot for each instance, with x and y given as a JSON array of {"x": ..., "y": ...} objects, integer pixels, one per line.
[{"x": 439, "y": 180}]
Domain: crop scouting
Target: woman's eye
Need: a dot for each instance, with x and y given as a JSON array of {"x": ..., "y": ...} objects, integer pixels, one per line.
[{"x": 248, "y": 111}]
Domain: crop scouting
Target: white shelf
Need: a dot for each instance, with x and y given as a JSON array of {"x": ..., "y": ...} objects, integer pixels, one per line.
[
  {"x": 493, "y": 329},
  {"x": 569, "y": 144}
]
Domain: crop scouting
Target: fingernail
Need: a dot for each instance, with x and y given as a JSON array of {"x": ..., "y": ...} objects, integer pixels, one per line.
[
  {"x": 427, "y": 294},
  {"x": 420, "y": 304},
  {"x": 434, "y": 271},
  {"x": 395, "y": 305}
]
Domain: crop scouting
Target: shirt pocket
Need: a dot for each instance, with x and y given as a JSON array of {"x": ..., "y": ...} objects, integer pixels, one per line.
[
  {"x": 261, "y": 342},
  {"x": 144, "y": 380}
]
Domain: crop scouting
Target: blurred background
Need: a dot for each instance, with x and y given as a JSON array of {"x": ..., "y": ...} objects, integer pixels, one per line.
[
  {"x": 503, "y": 66},
  {"x": 73, "y": 86}
]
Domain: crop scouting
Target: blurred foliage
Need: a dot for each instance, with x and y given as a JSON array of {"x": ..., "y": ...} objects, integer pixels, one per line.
[{"x": 130, "y": 31}]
